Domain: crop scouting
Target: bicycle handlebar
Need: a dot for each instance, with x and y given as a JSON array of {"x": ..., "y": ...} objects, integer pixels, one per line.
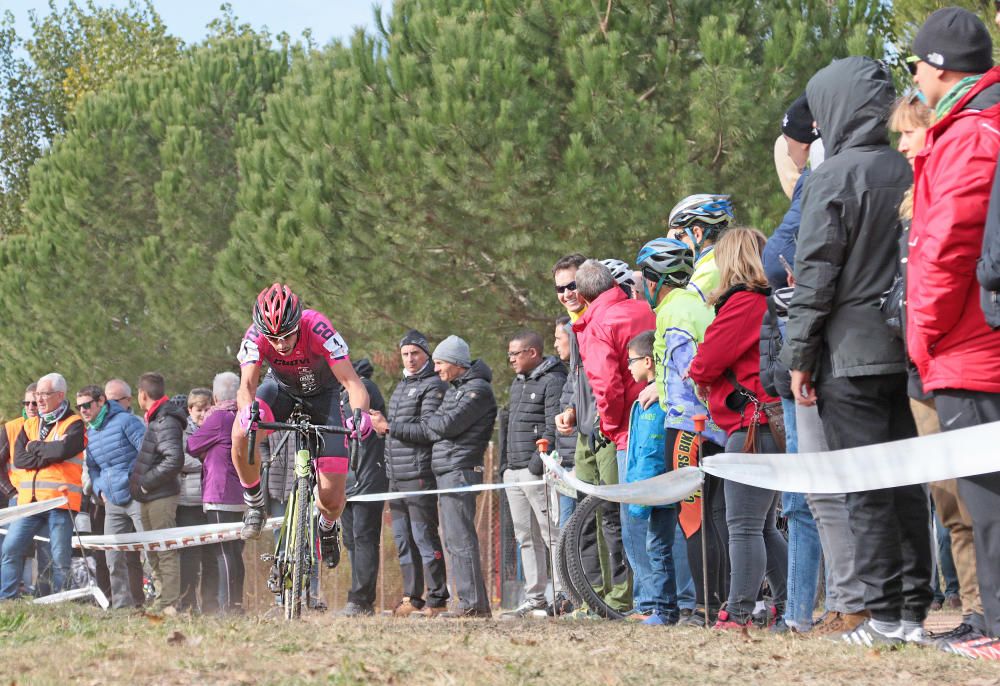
[{"x": 322, "y": 428}]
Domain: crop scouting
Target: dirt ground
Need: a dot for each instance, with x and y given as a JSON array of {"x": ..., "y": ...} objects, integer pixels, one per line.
[{"x": 80, "y": 644}]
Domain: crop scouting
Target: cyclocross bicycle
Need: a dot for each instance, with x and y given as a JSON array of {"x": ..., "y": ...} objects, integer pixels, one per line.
[{"x": 295, "y": 547}]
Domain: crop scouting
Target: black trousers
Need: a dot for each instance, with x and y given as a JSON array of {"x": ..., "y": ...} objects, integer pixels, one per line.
[
  {"x": 362, "y": 524},
  {"x": 227, "y": 591},
  {"x": 421, "y": 557},
  {"x": 198, "y": 566},
  {"x": 891, "y": 526},
  {"x": 981, "y": 494}
]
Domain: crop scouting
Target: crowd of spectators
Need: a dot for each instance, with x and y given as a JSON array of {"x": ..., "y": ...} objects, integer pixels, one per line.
[{"x": 861, "y": 320}]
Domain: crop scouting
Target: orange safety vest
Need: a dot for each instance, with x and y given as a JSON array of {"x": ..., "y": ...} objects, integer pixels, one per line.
[
  {"x": 43, "y": 484},
  {"x": 13, "y": 429}
]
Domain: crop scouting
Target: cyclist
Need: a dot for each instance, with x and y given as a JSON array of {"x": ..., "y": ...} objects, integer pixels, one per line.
[
  {"x": 699, "y": 220},
  {"x": 305, "y": 355}
]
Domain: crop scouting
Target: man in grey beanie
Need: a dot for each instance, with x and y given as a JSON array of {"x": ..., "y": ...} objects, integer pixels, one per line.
[
  {"x": 462, "y": 427},
  {"x": 408, "y": 462}
]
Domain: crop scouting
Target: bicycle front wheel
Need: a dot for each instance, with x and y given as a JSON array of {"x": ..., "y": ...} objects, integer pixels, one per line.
[
  {"x": 587, "y": 511},
  {"x": 300, "y": 548}
]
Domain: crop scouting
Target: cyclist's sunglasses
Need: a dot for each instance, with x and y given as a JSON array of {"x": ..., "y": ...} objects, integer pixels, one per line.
[
  {"x": 30, "y": 403},
  {"x": 571, "y": 286},
  {"x": 285, "y": 337},
  {"x": 85, "y": 406}
]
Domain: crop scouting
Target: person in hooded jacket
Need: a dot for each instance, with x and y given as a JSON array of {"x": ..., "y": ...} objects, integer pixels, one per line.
[
  {"x": 462, "y": 427},
  {"x": 362, "y": 522},
  {"x": 408, "y": 463},
  {"x": 841, "y": 354},
  {"x": 535, "y": 393},
  {"x": 155, "y": 481}
]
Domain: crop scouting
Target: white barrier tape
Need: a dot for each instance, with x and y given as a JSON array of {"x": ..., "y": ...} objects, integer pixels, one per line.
[
  {"x": 18, "y": 511},
  {"x": 375, "y": 497},
  {"x": 660, "y": 490},
  {"x": 75, "y": 594},
  {"x": 170, "y": 539},
  {"x": 951, "y": 455}
]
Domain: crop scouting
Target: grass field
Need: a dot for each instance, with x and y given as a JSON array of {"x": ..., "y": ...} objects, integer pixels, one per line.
[{"x": 76, "y": 644}]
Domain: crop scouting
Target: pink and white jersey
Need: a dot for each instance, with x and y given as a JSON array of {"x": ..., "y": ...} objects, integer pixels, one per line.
[{"x": 305, "y": 370}]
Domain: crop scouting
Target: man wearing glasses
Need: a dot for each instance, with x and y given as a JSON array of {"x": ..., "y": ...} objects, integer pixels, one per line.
[
  {"x": 113, "y": 440},
  {"x": 307, "y": 359},
  {"x": 119, "y": 392},
  {"x": 48, "y": 452},
  {"x": 29, "y": 408}
]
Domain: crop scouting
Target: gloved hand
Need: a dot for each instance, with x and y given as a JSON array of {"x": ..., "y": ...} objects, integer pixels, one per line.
[
  {"x": 266, "y": 415},
  {"x": 366, "y": 426}
]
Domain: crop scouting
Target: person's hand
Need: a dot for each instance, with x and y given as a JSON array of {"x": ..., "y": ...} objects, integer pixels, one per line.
[
  {"x": 566, "y": 421},
  {"x": 379, "y": 422},
  {"x": 791, "y": 280},
  {"x": 802, "y": 388},
  {"x": 104, "y": 498},
  {"x": 649, "y": 395}
]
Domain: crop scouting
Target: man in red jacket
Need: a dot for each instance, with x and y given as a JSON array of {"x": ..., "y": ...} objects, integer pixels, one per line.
[
  {"x": 603, "y": 333},
  {"x": 957, "y": 354}
]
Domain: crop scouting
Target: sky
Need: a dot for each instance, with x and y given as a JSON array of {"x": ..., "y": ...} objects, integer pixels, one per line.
[{"x": 186, "y": 19}]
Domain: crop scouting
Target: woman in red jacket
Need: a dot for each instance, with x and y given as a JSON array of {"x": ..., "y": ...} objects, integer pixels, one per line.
[{"x": 730, "y": 353}]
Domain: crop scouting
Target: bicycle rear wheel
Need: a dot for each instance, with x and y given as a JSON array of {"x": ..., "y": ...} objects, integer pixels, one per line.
[
  {"x": 562, "y": 570},
  {"x": 299, "y": 550},
  {"x": 586, "y": 511}
]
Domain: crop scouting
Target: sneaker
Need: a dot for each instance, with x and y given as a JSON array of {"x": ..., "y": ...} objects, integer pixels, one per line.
[
  {"x": 317, "y": 605},
  {"x": 329, "y": 545},
  {"x": 658, "y": 619},
  {"x": 765, "y": 618},
  {"x": 685, "y": 613},
  {"x": 695, "y": 618},
  {"x": 985, "y": 648},
  {"x": 728, "y": 622},
  {"x": 866, "y": 635},
  {"x": 936, "y": 605},
  {"x": 406, "y": 608},
  {"x": 562, "y": 606},
  {"x": 527, "y": 610},
  {"x": 353, "y": 609},
  {"x": 961, "y": 633},
  {"x": 634, "y": 615},
  {"x": 253, "y": 523},
  {"x": 431, "y": 612},
  {"x": 470, "y": 613},
  {"x": 917, "y": 636}
]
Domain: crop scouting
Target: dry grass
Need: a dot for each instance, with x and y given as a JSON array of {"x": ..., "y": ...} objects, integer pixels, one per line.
[{"x": 75, "y": 644}]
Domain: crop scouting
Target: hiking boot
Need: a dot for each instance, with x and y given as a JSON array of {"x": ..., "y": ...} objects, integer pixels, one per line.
[
  {"x": 867, "y": 635},
  {"x": 852, "y": 620},
  {"x": 953, "y": 602},
  {"x": 430, "y": 611},
  {"x": 527, "y": 610},
  {"x": 405, "y": 608},
  {"x": 828, "y": 623},
  {"x": 353, "y": 609},
  {"x": 253, "y": 523},
  {"x": 562, "y": 605},
  {"x": 329, "y": 545}
]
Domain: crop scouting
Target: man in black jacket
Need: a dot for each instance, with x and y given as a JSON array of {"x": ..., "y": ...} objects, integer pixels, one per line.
[
  {"x": 155, "y": 481},
  {"x": 462, "y": 427},
  {"x": 408, "y": 460},
  {"x": 534, "y": 403},
  {"x": 845, "y": 259},
  {"x": 362, "y": 521}
]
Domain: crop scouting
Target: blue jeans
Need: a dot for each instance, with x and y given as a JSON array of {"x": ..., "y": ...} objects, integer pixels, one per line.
[
  {"x": 946, "y": 563},
  {"x": 686, "y": 593},
  {"x": 567, "y": 506},
  {"x": 634, "y": 533},
  {"x": 662, "y": 587},
  {"x": 15, "y": 546},
  {"x": 804, "y": 549}
]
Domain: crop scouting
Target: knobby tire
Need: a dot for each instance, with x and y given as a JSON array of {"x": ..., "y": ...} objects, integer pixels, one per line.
[
  {"x": 301, "y": 552},
  {"x": 586, "y": 510}
]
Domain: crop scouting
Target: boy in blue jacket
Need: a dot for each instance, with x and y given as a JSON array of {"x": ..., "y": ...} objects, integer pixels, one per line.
[{"x": 645, "y": 457}]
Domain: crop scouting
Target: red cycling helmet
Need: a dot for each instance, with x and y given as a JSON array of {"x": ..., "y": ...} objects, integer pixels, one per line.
[{"x": 277, "y": 311}]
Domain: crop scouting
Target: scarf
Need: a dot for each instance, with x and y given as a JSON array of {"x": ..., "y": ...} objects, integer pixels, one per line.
[
  {"x": 49, "y": 419},
  {"x": 99, "y": 420},
  {"x": 224, "y": 406},
  {"x": 957, "y": 92}
]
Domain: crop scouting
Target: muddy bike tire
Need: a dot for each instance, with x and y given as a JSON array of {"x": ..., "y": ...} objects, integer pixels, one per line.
[
  {"x": 586, "y": 510},
  {"x": 562, "y": 571},
  {"x": 300, "y": 552}
]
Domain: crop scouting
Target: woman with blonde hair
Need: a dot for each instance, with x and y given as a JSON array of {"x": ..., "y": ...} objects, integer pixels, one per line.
[{"x": 728, "y": 366}]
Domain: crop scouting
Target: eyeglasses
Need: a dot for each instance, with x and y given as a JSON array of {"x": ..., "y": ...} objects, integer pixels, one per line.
[
  {"x": 571, "y": 286},
  {"x": 124, "y": 397},
  {"x": 86, "y": 405},
  {"x": 279, "y": 339},
  {"x": 513, "y": 355},
  {"x": 30, "y": 403},
  {"x": 45, "y": 394},
  {"x": 633, "y": 360}
]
